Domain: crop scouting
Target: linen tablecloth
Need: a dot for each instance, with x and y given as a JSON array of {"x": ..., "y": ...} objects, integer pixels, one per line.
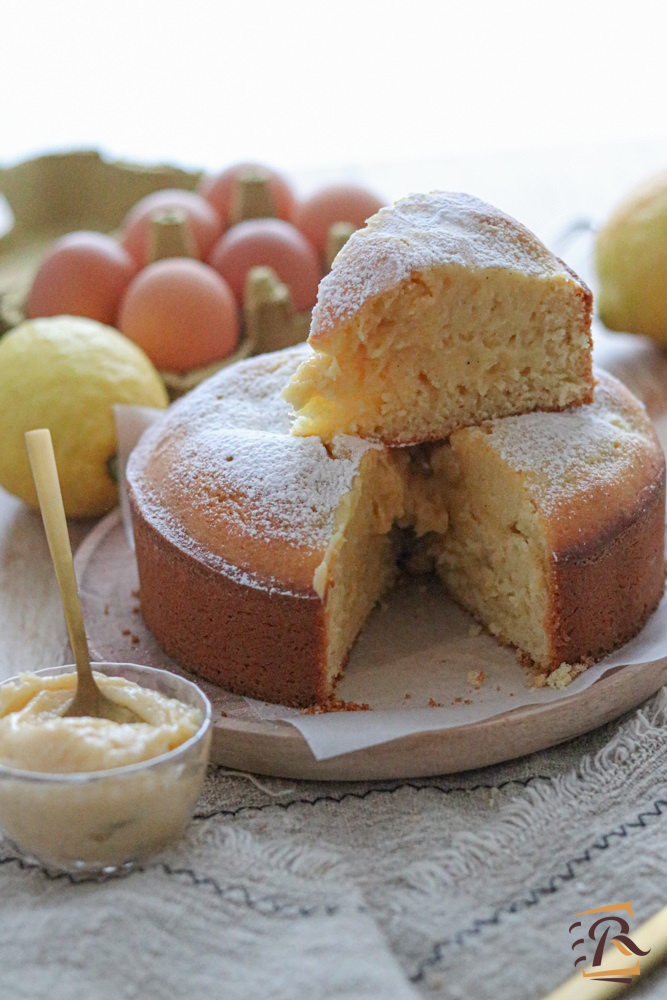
[{"x": 447, "y": 887}]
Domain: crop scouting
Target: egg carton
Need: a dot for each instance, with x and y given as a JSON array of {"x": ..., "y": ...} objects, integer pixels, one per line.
[{"x": 58, "y": 193}]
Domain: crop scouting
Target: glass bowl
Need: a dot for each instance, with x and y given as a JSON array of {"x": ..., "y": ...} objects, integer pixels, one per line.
[{"x": 108, "y": 821}]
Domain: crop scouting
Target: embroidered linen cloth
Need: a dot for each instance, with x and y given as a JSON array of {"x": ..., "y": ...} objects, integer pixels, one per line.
[{"x": 447, "y": 887}]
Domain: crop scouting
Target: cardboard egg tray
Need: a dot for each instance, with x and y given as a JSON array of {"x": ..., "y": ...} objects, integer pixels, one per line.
[{"x": 81, "y": 190}]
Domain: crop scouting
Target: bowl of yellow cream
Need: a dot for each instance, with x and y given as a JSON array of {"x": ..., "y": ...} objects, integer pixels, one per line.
[{"x": 88, "y": 795}]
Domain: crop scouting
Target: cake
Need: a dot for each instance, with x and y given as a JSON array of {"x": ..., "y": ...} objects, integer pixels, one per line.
[
  {"x": 440, "y": 313},
  {"x": 261, "y": 552},
  {"x": 555, "y": 535}
]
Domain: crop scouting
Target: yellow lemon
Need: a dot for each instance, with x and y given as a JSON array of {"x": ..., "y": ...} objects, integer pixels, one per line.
[
  {"x": 65, "y": 373},
  {"x": 631, "y": 263}
]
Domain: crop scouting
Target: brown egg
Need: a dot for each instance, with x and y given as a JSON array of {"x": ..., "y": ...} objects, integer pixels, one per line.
[
  {"x": 336, "y": 203},
  {"x": 220, "y": 189},
  {"x": 204, "y": 222},
  {"x": 81, "y": 274},
  {"x": 182, "y": 313},
  {"x": 269, "y": 243}
]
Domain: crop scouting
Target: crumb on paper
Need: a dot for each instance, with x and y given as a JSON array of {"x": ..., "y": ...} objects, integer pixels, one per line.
[
  {"x": 561, "y": 677},
  {"x": 134, "y": 639},
  {"x": 335, "y": 705},
  {"x": 476, "y": 678},
  {"x": 407, "y": 697},
  {"x": 474, "y": 630},
  {"x": 126, "y": 631},
  {"x": 432, "y": 703},
  {"x": 106, "y": 609}
]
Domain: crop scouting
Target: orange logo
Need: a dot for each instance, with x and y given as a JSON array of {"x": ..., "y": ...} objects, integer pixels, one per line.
[{"x": 603, "y": 931}]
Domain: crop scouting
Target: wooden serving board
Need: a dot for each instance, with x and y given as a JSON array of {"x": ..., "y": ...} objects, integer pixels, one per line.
[
  {"x": 107, "y": 575},
  {"x": 275, "y": 748}
]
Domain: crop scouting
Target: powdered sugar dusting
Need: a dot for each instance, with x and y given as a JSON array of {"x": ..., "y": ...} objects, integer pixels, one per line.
[
  {"x": 225, "y": 451},
  {"x": 270, "y": 485},
  {"x": 417, "y": 234},
  {"x": 563, "y": 453}
]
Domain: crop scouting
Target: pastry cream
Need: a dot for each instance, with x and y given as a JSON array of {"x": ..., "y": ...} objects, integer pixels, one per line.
[
  {"x": 34, "y": 735},
  {"x": 82, "y": 794}
]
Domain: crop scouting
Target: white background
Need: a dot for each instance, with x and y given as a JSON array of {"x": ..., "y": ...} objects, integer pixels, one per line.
[{"x": 312, "y": 85}]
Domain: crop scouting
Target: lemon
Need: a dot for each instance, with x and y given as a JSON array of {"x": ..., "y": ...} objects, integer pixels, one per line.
[
  {"x": 631, "y": 263},
  {"x": 65, "y": 373}
]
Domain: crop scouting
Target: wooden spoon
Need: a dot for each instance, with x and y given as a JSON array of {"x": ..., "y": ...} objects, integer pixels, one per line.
[{"x": 88, "y": 699}]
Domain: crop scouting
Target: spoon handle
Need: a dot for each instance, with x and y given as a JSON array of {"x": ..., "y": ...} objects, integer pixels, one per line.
[{"x": 45, "y": 474}]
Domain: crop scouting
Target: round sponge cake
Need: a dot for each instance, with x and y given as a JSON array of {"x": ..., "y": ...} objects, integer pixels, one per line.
[{"x": 261, "y": 553}]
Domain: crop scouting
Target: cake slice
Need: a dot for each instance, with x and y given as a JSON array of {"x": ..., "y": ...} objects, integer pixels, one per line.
[
  {"x": 442, "y": 312},
  {"x": 555, "y": 540}
]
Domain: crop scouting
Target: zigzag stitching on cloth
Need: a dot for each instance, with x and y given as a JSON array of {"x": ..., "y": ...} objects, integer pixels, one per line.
[
  {"x": 368, "y": 792},
  {"x": 14, "y": 859},
  {"x": 266, "y": 905},
  {"x": 271, "y": 906},
  {"x": 535, "y": 895}
]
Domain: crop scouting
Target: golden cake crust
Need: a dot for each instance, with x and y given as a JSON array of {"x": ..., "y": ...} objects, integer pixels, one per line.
[
  {"x": 256, "y": 641},
  {"x": 605, "y": 590}
]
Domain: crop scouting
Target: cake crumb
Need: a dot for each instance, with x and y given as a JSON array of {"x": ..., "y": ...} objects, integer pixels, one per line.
[
  {"x": 407, "y": 697},
  {"x": 335, "y": 705},
  {"x": 476, "y": 678},
  {"x": 134, "y": 639},
  {"x": 562, "y": 676},
  {"x": 474, "y": 630},
  {"x": 126, "y": 631},
  {"x": 432, "y": 703}
]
